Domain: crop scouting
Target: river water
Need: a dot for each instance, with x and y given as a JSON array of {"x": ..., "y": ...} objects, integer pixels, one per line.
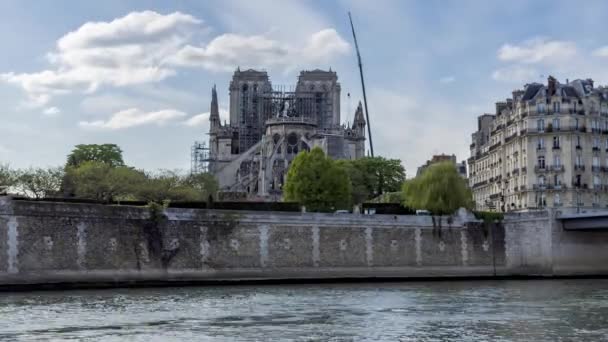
[{"x": 535, "y": 310}]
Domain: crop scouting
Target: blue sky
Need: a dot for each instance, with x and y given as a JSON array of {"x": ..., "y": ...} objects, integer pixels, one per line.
[{"x": 139, "y": 73}]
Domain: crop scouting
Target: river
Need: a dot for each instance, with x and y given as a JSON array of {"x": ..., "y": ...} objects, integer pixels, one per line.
[{"x": 535, "y": 310}]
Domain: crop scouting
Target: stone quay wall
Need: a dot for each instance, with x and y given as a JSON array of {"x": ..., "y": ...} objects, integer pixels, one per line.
[{"x": 51, "y": 243}]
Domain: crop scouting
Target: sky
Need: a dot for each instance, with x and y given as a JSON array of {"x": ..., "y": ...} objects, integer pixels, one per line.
[{"x": 139, "y": 73}]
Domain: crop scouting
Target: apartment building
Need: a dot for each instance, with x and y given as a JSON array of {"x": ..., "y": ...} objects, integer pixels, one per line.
[{"x": 547, "y": 146}]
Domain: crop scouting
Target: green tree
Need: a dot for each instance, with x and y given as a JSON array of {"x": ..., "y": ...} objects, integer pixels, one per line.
[
  {"x": 39, "y": 182},
  {"x": 317, "y": 182},
  {"x": 204, "y": 183},
  {"x": 101, "y": 181},
  {"x": 110, "y": 154},
  {"x": 439, "y": 189},
  {"x": 373, "y": 176}
]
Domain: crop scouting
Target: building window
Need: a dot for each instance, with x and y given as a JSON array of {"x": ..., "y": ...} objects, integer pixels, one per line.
[
  {"x": 556, "y": 199},
  {"x": 556, "y": 107},
  {"x": 541, "y": 180},
  {"x": 556, "y": 142},
  {"x": 579, "y": 160},
  {"x": 540, "y": 107},
  {"x": 540, "y": 125},
  {"x": 556, "y": 123},
  {"x": 541, "y": 142},
  {"x": 596, "y": 142},
  {"x": 578, "y": 141},
  {"x": 596, "y": 161},
  {"x": 596, "y": 182},
  {"x": 557, "y": 160},
  {"x": 541, "y": 162}
]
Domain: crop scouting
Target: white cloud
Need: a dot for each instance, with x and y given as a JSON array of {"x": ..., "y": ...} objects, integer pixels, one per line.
[
  {"x": 447, "y": 80},
  {"x": 146, "y": 47},
  {"x": 134, "y": 117},
  {"x": 202, "y": 120},
  {"x": 601, "y": 52},
  {"x": 226, "y": 52},
  {"x": 516, "y": 73},
  {"x": 538, "y": 50},
  {"x": 125, "y": 51},
  {"x": 51, "y": 111},
  {"x": 539, "y": 57}
]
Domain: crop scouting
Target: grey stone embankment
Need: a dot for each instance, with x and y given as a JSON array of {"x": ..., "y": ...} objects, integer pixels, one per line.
[{"x": 49, "y": 243}]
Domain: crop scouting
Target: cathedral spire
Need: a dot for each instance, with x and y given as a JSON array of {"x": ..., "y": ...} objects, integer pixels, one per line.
[
  {"x": 214, "y": 117},
  {"x": 359, "y": 121}
]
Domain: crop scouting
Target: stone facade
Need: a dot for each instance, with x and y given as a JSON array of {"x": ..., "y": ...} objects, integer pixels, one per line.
[
  {"x": 42, "y": 243},
  {"x": 439, "y": 158},
  {"x": 547, "y": 146},
  {"x": 269, "y": 126}
]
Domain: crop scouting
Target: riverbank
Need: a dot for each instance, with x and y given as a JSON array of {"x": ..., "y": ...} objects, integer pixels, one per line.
[{"x": 65, "y": 245}]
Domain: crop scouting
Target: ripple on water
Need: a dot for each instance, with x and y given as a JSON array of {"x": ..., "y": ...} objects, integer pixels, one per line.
[{"x": 437, "y": 311}]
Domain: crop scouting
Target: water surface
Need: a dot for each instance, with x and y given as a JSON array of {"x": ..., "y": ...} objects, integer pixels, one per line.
[{"x": 537, "y": 310}]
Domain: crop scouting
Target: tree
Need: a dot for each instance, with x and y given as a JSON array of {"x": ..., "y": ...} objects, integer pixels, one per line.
[
  {"x": 173, "y": 186},
  {"x": 6, "y": 175},
  {"x": 39, "y": 182},
  {"x": 317, "y": 182},
  {"x": 439, "y": 189},
  {"x": 110, "y": 154},
  {"x": 101, "y": 181},
  {"x": 373, "y": 176},
  {"x": 204, "y": 183}
]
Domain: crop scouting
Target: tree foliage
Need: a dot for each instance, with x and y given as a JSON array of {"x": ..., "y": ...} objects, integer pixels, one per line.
[
  {"x": 317, "y": 182},
  {"x": 6, "y": 176},
  {"x": 101, "y": 181},
  {"x": 373, "y": 176},
  {"x": 439, "y": 189},
  {"x": 38, "y": 182},
  {"x": 173, "y": 186},
  {"x": 109, "y": 154}
]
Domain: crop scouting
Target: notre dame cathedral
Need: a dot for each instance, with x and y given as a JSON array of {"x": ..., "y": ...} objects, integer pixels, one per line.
[{"x": 269, "y": 126}]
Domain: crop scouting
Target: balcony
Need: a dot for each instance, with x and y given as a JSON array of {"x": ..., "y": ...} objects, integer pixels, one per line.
[
  {"x": 540, "y": 148},
  {"x": 495, "y": 146},
  {"x": 540, "y": 169},
  {"x": 522, "y": 188},
  {"x": 557, "y": 168},
  {"x": 556, "y": 147},
  {"x": 515, "y": 171},
  {"x": 540, "y": 186},
  {"x": 579, "y": 147},
  {"x": 596, "y": 148},
  {"x": 596, "y": 168},
  {"x": 582, "y": 129},
  {"x": 604, "y": 168},
  {"x": 579, "y": 167},
  {"x": 558, "y": 186},
  {"x": 510, "y": 137},
  {"x": 579, "y": 186},
  {"x": 596, "y": 130},
  {"x": 524, "y": 169}
]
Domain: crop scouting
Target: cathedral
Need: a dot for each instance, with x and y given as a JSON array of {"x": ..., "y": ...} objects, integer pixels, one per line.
[{"x": 270, "y": 125}]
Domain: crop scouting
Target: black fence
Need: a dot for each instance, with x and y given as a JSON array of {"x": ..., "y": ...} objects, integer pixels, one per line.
[
  {"x": 256, "y": 206},
  {"x": 388, "y": 208}
]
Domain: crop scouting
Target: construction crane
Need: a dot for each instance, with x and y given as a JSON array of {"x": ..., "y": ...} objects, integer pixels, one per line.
[{"x": 369, "y": 128}]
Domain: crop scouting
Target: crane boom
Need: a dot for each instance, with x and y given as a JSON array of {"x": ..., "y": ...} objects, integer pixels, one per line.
[{"x": 369, "y": 128}]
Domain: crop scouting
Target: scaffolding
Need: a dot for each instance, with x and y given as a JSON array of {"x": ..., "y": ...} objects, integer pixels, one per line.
[{"x": 199, "y": 158}]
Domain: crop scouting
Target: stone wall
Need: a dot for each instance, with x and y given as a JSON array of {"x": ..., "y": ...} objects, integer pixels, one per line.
[{"x": 45, "y": 242}]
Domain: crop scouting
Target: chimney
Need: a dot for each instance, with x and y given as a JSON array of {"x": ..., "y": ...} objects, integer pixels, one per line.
[{"x": 551, "y": 85}]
